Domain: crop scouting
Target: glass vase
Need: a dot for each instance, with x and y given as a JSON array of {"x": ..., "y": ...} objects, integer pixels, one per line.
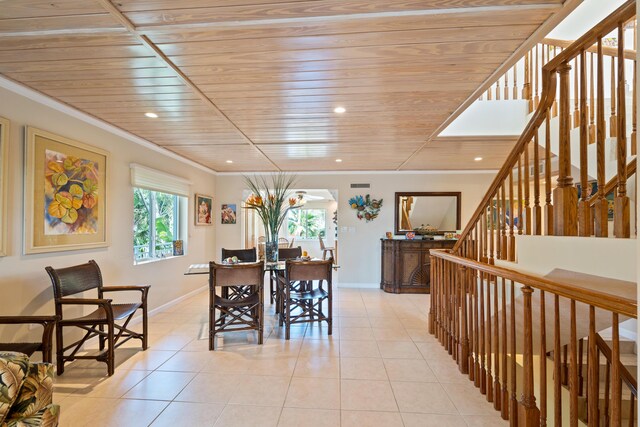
[{"x": 271, "y": 250}]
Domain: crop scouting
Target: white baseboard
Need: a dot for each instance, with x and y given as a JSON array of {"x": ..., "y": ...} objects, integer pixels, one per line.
[{"x": 359, "y": 285}]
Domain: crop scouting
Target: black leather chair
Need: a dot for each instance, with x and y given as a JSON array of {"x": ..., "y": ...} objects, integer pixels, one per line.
[{"x": 114, "y": 317}]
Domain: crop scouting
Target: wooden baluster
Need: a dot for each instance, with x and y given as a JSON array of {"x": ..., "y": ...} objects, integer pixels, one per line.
[
  {"x": 519, "y": 201},
  {"x": 506, "y": 85},
  {"x": 513, "y": 404},
  {"x": 499, "y": 212},
  {"x": 632, "y": 407},
  {"x": 601, "y": 208},
  {"x": 476, "y": 329},
  {"x": 512, "y": 237},
  {"x": 515, "y": 81},
  {"x": 580, "y": 367},
  {"x": 505, "y": 377},
  {"x": 497, "y": 392},
  {"x": 536, "y": 99},
  {"x": 584, "y": 208},
  {"x": 613, "y": 120},
  {"x": 634, "y": 115},
  {"x": 557, "y": 366},
  {"x": 489, "y": 94},
  {"x": 554, "y": 106},
  {"x": 621, "y": 221},
  {"x": 434, "y": 295},
  {"x": 489, "y": 347},
  {"x": 526, "y": 88},
  {"x": 593, "y": 392},
  {"x": 504, "y": 237},
  {"x": 607, "y": 397},
  {"x": 483, "y": 367},
  {"x": 565, "y": 195},
  {"x": 498, "y": 90},
  {"x": 485, "y": 236},
  {"x": 543, "y": 360},
  {"x": 463, "y": 348},
  {"x": 548, "y": 206},
  {"x": 592, "y": 105},
  {"x": 492, "y": 234},
  {"x": 616, "y": 386},
  {"x": 573, "y": 369},
  {"x": 527, "y": 187},
  {"x": 536, "y": 214},
  {"x": 565, "y": 365},
  {"x": 470, "y": 358},
  {"x": 576, "y": 109},
  {"x": 528, "y": 414}
]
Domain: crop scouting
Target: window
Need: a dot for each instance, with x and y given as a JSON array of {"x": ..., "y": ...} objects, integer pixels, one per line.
[
  {"x": 156, "y": 224},
  {"x": 307, "y": 223}
]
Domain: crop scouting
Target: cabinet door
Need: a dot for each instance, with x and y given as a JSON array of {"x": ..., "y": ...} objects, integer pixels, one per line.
[{"x": 412, "y": 268}]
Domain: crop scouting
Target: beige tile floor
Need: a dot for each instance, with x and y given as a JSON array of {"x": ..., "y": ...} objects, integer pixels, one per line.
[{"x": 379, "y": 368}]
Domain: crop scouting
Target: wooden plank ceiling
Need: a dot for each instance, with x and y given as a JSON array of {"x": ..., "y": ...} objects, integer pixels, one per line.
[{"x": 256, "y": 81}]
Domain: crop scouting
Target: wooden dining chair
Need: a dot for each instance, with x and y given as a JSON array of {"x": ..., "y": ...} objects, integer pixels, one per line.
[
  {"x": 114, "y": 317},
  {"x": 283, "y": 242},
  {"x": 326, "y": 249},
  {"x": 304, "y": 305},
  {"x": 243, "y": 255},
  {"x": 239, "y": 314},
  {"x": 45, "y": 343}
]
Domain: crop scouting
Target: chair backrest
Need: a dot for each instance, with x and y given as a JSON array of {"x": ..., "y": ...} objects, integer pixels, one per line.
[
  {"x": 283, "y": 242},
  {"x": 289, "y": 253},
  {"x": 236, "y": 274},
  {"x": 309, "y": 270},
  {"x": 321, "y": 243},
  {"x": 75, "y": 279},
  {"x": 245, "y": 255}
]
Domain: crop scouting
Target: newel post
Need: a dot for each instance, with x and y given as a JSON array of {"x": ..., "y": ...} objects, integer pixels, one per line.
[
  {"x": 463, "y": 344},
  {"x": 565, "y": 195},
  {"x": 528, "y": 412},
  {"x": 433, "y": 278}
]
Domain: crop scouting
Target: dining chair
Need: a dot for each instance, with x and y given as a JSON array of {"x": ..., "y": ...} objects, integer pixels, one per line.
[
  {"x": 304, "y": 305},
  {"x": 240, "y": 314},
  {"x": 326, "y": 249},
  {"x": 283, "y": 242},
  {"x": 244, "y": 255},
  {"x": 44, "y": 344},
  {"x": 114, "y": 317},
  {"x": 283, "y": 255}
]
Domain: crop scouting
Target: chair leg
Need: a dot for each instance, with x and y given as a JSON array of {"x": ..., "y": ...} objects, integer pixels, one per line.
[
  {"x": 101, "y": 338},
  {"x": 270, "y": 289},
  {"x": 110, "y": 351},
  {"x": 59, "y": 352},
  {"x": 287, "y": 322},
  {"x": 145, "y": 328},
  {"x": 330, "y": 309}
]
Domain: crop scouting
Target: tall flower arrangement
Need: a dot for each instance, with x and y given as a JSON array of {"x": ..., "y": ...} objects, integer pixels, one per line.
[{"x": 271, "y": 199}]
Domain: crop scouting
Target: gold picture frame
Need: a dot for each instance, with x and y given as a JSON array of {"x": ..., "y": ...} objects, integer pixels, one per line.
[
  {"x": 203, "y": 209},
  {"x": 65, "y": 194},
  {"x": 4, "y": 176}
]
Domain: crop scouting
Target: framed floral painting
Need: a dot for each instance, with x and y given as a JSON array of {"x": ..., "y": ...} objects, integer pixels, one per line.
[
  {"x": 65, "y": 194},
  {"x": 4, "y": 176},
  {"x": 203, "y": 208}
]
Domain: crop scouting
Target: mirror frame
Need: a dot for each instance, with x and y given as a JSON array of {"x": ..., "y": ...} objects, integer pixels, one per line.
[{"x": 456, "y": 194}]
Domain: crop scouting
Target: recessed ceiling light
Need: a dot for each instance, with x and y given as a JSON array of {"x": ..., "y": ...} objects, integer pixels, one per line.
[
  {"x": 229, "y": 161},
  {"x": 151, "y": 115},
  {"x": 338, "y": 160},
  {"x": 339, "y": 110},
  {"x": 477, "y": 159}
]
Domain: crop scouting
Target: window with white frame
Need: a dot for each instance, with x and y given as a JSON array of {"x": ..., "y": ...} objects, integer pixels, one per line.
[
  {"x": 159, "y": 214},
  {"x": 307, "y": 223}
]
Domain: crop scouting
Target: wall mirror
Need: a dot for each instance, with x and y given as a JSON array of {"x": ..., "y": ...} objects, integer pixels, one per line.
[{"x": 427, "y": 213}]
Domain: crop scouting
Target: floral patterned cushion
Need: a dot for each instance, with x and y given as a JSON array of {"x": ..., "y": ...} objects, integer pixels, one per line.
[
  {"x": 46, "y": 417},
  {"x": 13, "y": 371},
  {"x": 36, "y": 392}
]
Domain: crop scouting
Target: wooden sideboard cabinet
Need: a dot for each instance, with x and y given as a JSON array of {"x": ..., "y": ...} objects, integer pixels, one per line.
[{"x": 406, "y": 265}]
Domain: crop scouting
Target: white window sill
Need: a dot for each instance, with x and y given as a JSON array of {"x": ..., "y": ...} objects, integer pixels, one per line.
[{"x": 150, "y": 260}]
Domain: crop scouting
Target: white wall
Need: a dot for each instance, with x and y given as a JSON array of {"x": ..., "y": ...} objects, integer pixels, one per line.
[
  {"x": 25, "y": 287},
  {"x": 359, "y": 241}
]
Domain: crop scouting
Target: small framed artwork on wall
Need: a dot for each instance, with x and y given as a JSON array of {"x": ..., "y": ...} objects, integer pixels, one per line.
[
  {"x": 228, "y": 213},
  {"x": 203, "y": 209},
  {"x": 65, "y": 194}
]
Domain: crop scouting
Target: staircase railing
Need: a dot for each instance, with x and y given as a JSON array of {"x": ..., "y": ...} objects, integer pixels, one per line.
[
  {"x": 484, "y": 317},
  {"x": 533, "y": 206}
]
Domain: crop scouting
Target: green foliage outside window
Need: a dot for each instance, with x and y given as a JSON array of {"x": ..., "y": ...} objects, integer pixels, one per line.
[
  {"x": 307, "y": 223},
  {"x": 154, "y": 223}
]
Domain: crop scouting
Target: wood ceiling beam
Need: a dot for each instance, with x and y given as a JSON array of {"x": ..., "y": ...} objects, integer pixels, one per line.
[
  {"x": 124, "y": 21},
  {"x": 568, "y": 7}
]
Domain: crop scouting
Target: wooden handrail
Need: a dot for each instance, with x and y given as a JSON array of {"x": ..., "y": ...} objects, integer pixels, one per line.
[
  {"x": 549, "y": 79},
  {"x": 613, "y": 183},
  {"x": 613, "y": 303},
  {"x": 607, "y": 51},
  {"x": 624, "y": 372}
]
